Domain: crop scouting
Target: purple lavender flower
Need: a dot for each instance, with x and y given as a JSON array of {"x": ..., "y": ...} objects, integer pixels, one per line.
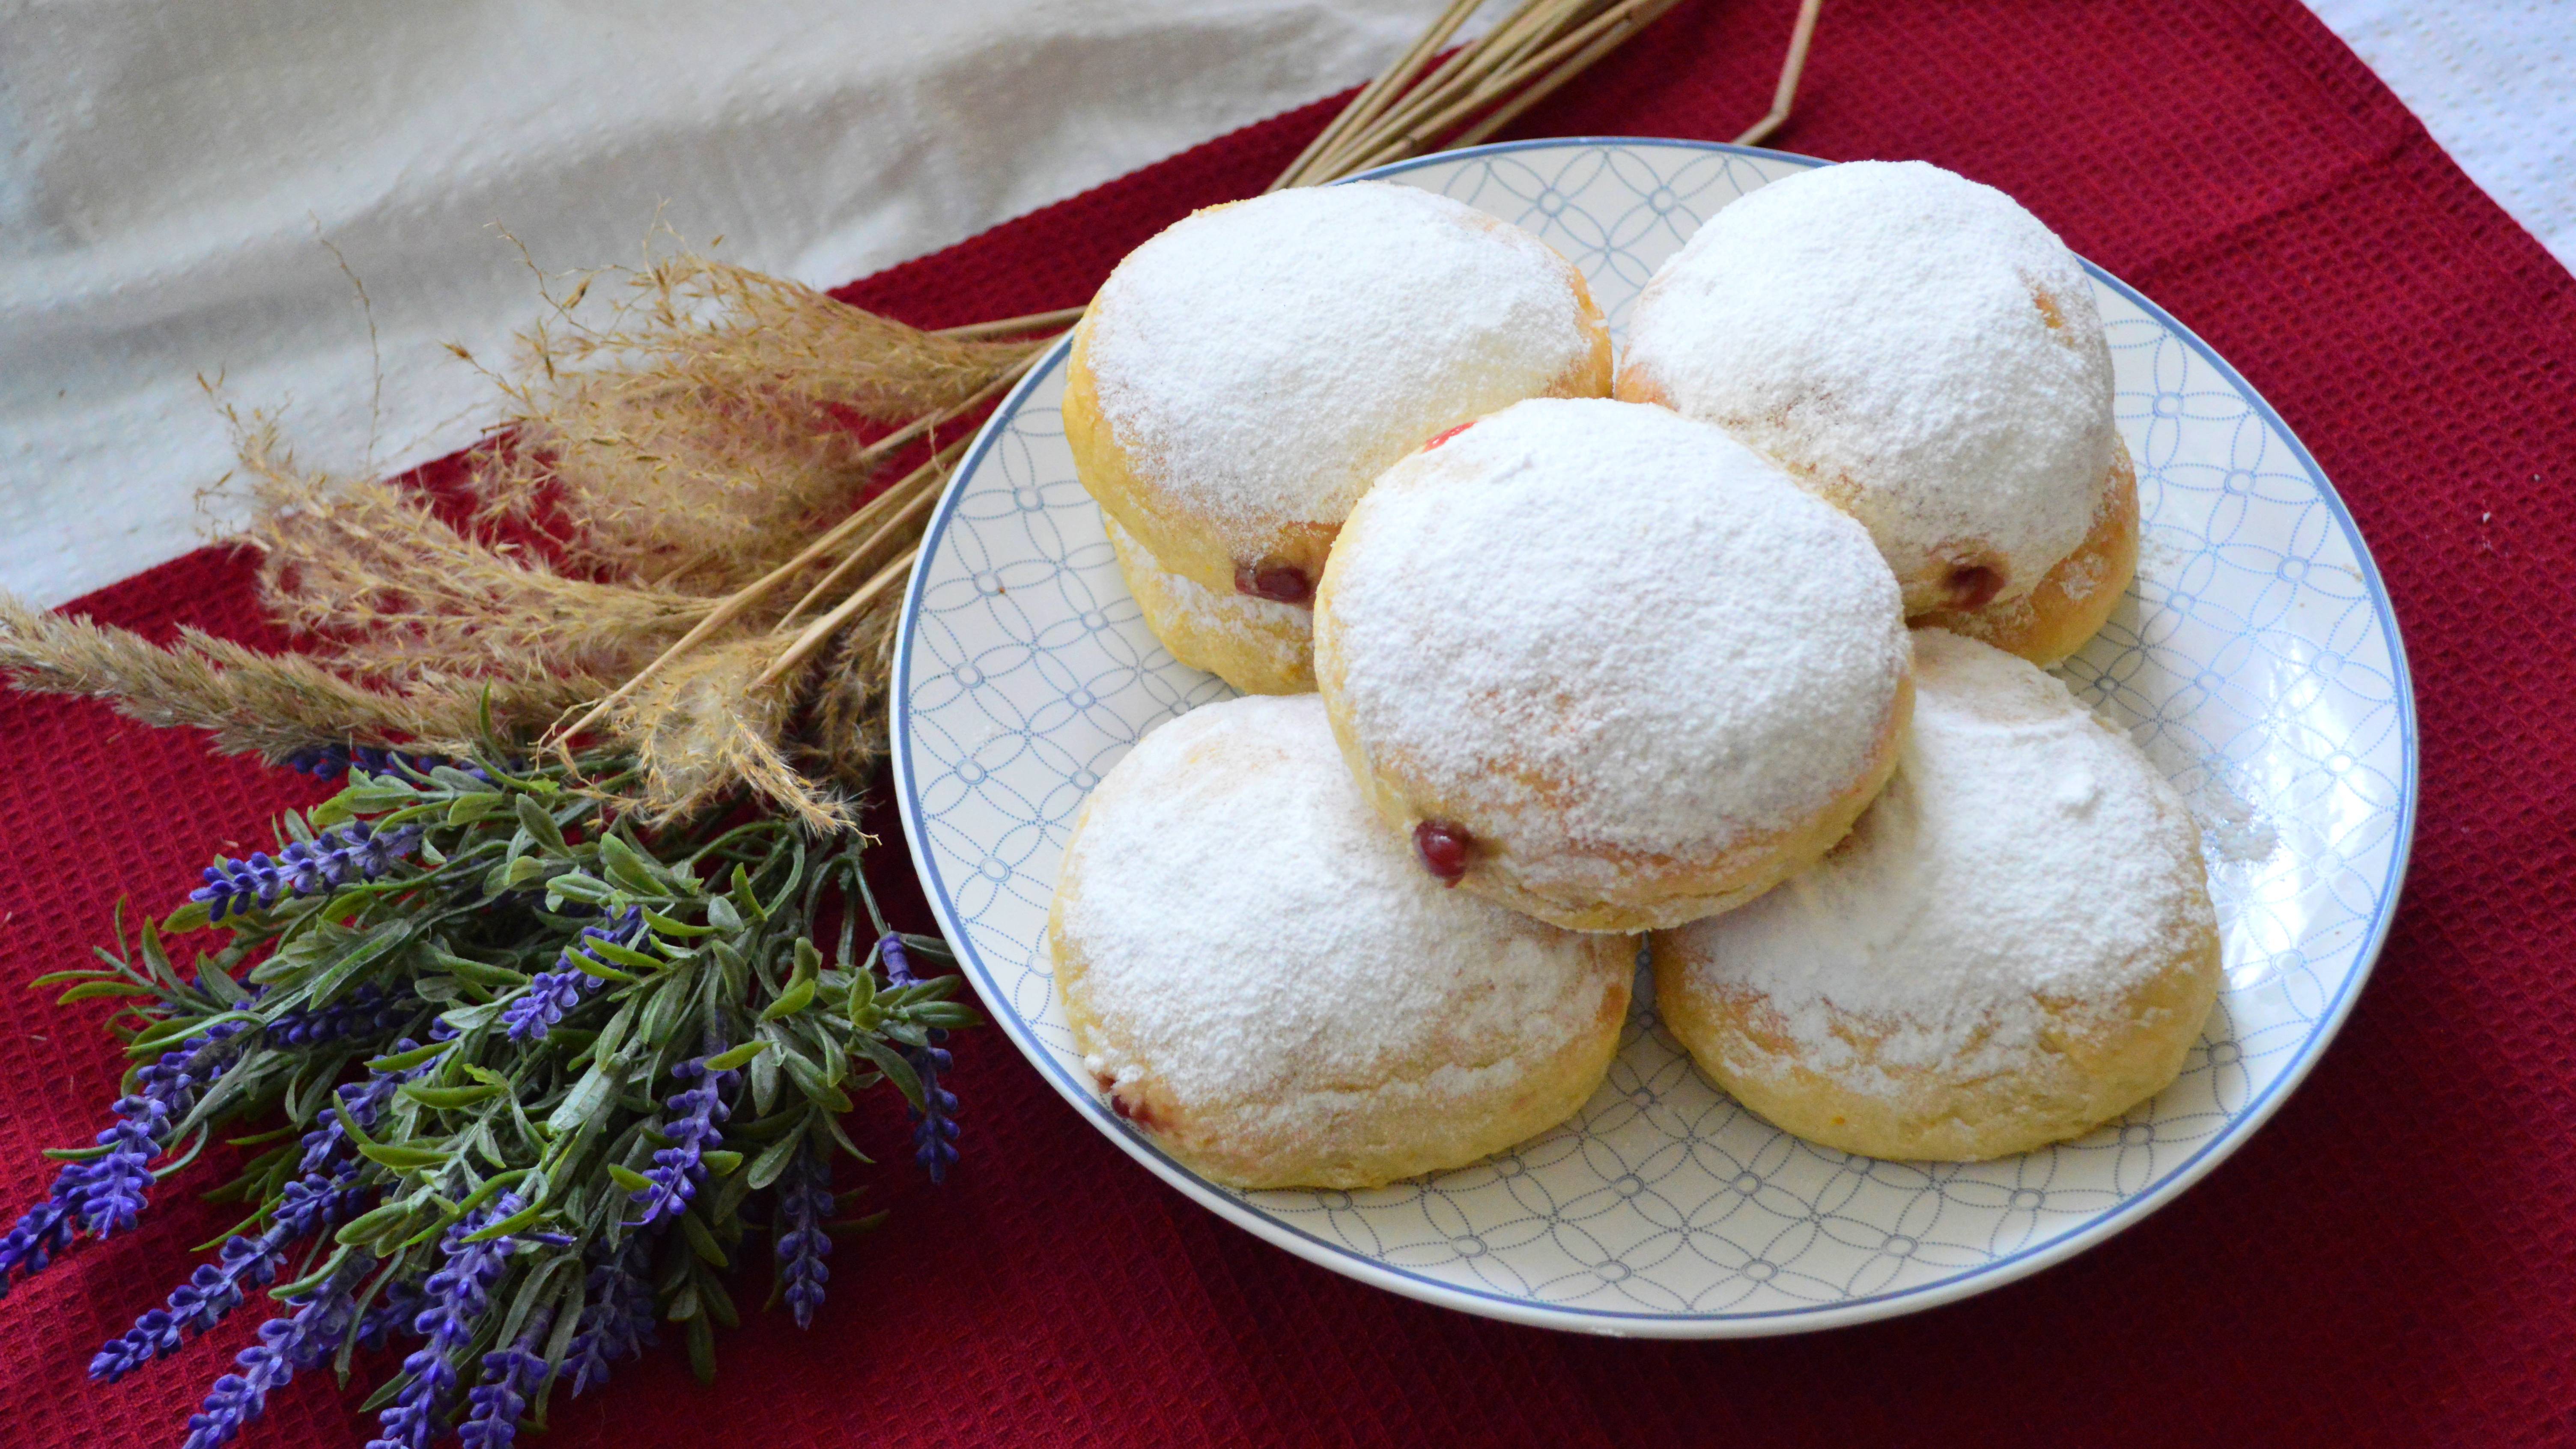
[
  {"x": 898, "y": 964},
  {"x": 804, "y": 1201},
  {"x": 693, "y": 1120},
  {"x": 617, "y": 1321},
  {"x": 510, "y": 1379},
  {"x": 541, "y": 1007},
  {"x": 329, "y": 1140},
  {"x": 45, "y": 1230},
  {"x": 210, "y": 1293},
  {"x": 456, "y": 1296},
  {"x": 299, "y": 1341},
  {"x": 369, "y": 1011},
  {"x": 402, "y": 1304},
  {"x": 934, "y": 1122},
  {"x": 330, "y": 762},
  {"x": 117, "y": 1183},
  {"x": 104, "y": 1194},
  {"x": 305, "y": 868}
]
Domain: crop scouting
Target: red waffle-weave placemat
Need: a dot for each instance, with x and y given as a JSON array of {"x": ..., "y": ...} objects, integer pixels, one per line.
[{"x": 2388, "y": 1263}]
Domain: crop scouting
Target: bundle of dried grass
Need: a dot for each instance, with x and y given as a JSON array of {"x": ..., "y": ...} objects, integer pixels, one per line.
[
  {"x": 674, "y": 549},
  {"x": 710, "y": 416}
]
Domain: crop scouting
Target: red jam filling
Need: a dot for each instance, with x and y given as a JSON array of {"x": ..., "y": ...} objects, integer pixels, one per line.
[
  {"x": 1127, "y": 1111},
  {"x": 1974, "y": 586},
  {"x": 1443, "y": 848},
  {"x": 1441, "y": 437},
  {"x": 1279, "y": 583}
]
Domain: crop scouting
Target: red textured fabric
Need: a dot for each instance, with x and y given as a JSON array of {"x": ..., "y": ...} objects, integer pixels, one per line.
[{"x": 2389, "y": 1262}]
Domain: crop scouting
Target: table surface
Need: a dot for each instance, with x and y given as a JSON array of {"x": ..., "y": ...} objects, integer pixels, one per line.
[{"x": 2388, "y": 1262}]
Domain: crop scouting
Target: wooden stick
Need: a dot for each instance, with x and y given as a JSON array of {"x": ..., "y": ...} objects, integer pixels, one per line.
[
  {"x": 892, "y": 443},
  {"x": 1618, "y": 21},
  {"x": 1385, "y": 87},
  {"x": 822, "y": 629},
  {"x": 1057, "y": 320},
  {"x": 1466, "y": 66},
  {"x": 850, "y": 562},
  {"x": 1563, "y": 73},
  {"x": 1781, "y": 99},
  {"x": 736, "y": 604}
]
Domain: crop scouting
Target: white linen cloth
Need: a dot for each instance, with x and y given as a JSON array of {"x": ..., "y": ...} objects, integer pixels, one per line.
[{"x": 170, "y": 172}]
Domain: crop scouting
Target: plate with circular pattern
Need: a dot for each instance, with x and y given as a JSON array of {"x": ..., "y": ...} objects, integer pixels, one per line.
[{"x": 2255, "y": 660}]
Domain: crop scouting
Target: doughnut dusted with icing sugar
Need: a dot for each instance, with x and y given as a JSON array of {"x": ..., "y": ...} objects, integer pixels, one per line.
[
  {"x": 1258, "y": 976},
  {"x": 2014, "y": 946},
  {"x": 1255, "y": 645},
  {"x": 1607, "y": 666},
  {"x": 1241, "y": 377},
  {"x": 1921, "y": 351}
]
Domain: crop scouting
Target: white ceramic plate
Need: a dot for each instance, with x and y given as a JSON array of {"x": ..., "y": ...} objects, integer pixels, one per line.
[{"x": 2256, "y": 662}]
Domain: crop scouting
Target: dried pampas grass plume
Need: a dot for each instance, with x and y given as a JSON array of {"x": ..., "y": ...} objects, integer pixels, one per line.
[
  {"x": 271, "y": 705},
  {"x": 389, "y": 591},
  {"x": 712, "y": 414},
  {"x": 706, "y": 727}
]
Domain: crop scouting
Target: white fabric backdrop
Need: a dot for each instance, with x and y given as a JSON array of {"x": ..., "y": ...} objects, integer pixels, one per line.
[{"x": 169, "y": 171}]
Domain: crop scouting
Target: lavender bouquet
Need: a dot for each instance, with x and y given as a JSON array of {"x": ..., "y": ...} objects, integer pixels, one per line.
[{"x": 538, "y": 1080}]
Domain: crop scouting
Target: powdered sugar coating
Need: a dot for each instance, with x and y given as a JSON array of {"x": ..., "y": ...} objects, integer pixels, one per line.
[
  {"x": 1612, "y": 633},
  {"x": 1909, "y": 343},
  {"x": 2025, "y": 868},
  {"x": 1256, "y": 942},
  {"x": 1262, "y": 362}
]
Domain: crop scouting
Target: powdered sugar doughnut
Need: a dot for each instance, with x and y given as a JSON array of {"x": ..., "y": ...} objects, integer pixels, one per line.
[
  {"x": 1607, "y": 666},
  {"x": 1924, "y": 353},
  {"x": 1244, "y": 375},
  {"x": 1259, "y": 977},
  {"x": 2012, "y": 947},
  {"x": 1255, "y": 645}
]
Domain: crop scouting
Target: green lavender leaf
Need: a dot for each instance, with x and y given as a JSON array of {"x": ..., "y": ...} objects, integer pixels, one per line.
[
  {"x": 534, "y": 820},
  {"x": 476, "y": 805},
  {"x": 737, "y": 1058}
]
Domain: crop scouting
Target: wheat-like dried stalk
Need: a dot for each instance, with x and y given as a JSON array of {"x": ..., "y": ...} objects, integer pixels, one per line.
[
  {"x": 390, "y": 591},
  {"x": 849, "y": 711},
  {"x": 271, "y": 705},
  {"x": 717, "y": 722},
  {"x": 710, "y": 417}
]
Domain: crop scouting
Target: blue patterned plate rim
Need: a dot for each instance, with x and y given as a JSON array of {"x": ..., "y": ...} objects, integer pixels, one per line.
[{"x": 1994, "y": 1273}]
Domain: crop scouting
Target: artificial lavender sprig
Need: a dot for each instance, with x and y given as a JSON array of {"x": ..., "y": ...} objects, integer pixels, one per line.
[
  {"x": 550, "y": 994},
  {"x": 402, "y": 1305},
  {"x": 618, "y": 1320},
  {"x": 308, "y": 1205},
  {"x": 43, "y": 1231},
  {"x": 456, "y": 1296},
  {"x": 329, "y": 1141},
  {"x": 330, "y": 762},
  {"x": 693, "y": 1120},
  {"x": 298, "y": 1341},
  {"x": 356, "y": 851},
  {"x": 934, "y": 1122},
  {"x": 804, "y": 1202},
  {"x": 103, "y": 1195},
  {"x": 370, "y": 1011},
  {"x": 210, "y": 1293},
  {"x": 511, "y": 1376}
]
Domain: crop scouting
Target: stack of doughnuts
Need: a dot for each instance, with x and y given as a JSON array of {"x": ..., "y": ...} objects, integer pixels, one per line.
[{"x": 1743, "y": 657}]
